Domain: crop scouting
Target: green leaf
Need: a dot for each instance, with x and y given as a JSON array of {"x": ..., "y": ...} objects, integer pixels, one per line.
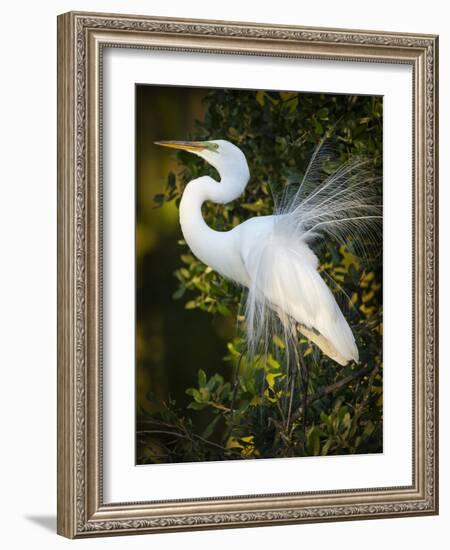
[
  {"x": 326, "y": 447},
  {"x": 278, "y": 342},
  {"x": 257, "y": 206},
  {"x": 159, "y": 199},
  {"x": 337, "y": 404},
  {"x": 342, "y": 413},
  {"x": 205, "y": 394},
  {"x": 233, "y": 133},
  {"x": 273, "y": 363},
  {"x": 347, "y": 420},
  {"x": 223, "y": 309},
  {"x": 260, "y": 97},
  {"x": 313, "y": 441},
  {"x": 171, "y": 181},
  {"x": 187, "y": 258},
  {"x": 369, "y": 429},
  {"x": 201, "y": 378},
  {"x": 196, "y": 406},
  {"x": 196, "y": 395},
  {"x": 179, "y": 292},
  {"x": 322, "y": 113}
]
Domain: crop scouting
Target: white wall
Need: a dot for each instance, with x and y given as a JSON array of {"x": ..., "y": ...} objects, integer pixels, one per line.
[{"x": 28, "y": 270}]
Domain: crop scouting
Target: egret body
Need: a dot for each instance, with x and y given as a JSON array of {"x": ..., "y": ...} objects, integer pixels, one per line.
[{"x": 271, "y": 255}]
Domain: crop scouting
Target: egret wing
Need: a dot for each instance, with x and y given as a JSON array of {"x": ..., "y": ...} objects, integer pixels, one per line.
[{"x": 285, "y": 288}]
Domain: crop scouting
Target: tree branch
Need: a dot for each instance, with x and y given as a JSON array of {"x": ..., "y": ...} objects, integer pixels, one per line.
[
  {"x": 182, "y": 436},
  {"x": 326, "y": 390}
]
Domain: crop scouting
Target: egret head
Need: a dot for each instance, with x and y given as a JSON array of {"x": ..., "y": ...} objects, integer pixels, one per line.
[{"x": 226, "y": 158}]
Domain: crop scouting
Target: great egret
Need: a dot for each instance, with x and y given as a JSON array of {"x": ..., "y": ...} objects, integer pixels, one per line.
[{"x": 271, "y": 255}]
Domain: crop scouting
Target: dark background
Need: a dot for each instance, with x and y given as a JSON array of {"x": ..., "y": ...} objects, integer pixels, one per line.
[{"x": 172, "y": 343}]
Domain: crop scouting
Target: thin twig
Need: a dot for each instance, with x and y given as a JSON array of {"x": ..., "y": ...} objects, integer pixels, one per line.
[
  {"x": 291, "y": 398},
  {"x": 233, "y": 395},
  {"x": 363, "y": 402},
  {"x": 183, "y": 436},
  {"x": 236, "y": 380},
  {"x": 219, "y": 406}
]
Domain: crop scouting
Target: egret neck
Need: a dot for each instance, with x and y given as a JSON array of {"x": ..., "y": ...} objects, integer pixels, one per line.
[
  {"x": 217, "y": 249},
  {"x": 209, "y": 245}
]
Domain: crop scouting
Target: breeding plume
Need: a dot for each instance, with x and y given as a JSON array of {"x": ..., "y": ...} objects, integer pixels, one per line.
[{"x": 271, "y": 256}]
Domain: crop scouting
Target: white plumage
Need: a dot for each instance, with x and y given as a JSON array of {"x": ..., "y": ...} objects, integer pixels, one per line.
[
  {"x": 283, "y": 277},
  {"x": 271, "y": 256}
]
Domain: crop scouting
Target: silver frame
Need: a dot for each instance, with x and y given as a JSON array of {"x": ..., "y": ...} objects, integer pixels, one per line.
[{"x": 81, "y": 40}]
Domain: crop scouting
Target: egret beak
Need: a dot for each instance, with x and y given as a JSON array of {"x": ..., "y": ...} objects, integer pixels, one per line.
[{"x": 192, "y": 146}]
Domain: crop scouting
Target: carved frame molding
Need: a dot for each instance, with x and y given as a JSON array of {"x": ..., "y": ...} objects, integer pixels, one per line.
[{"x": 81, "y": 39}]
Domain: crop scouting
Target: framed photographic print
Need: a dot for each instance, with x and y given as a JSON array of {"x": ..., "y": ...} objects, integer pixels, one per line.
[{"x": 247, "y": 274}]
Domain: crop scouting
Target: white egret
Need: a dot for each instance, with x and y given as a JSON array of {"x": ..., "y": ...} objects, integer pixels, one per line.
[{"x": 271, "y": 255}]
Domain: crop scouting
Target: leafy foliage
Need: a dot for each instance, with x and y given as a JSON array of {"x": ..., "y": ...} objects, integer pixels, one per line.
[{"x": 262, "y": 409}]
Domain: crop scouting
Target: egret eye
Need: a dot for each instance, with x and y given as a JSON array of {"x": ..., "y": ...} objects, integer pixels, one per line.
[{"x": 211, "y": 146}]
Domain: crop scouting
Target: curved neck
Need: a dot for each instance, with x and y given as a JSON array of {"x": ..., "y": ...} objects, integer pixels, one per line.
[
  {"x": 221, "y": 192},
  {"x": 201, "y": 239}
]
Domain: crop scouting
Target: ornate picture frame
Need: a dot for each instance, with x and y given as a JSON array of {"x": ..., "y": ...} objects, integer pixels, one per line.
[{"x": 82, "y": 38}]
